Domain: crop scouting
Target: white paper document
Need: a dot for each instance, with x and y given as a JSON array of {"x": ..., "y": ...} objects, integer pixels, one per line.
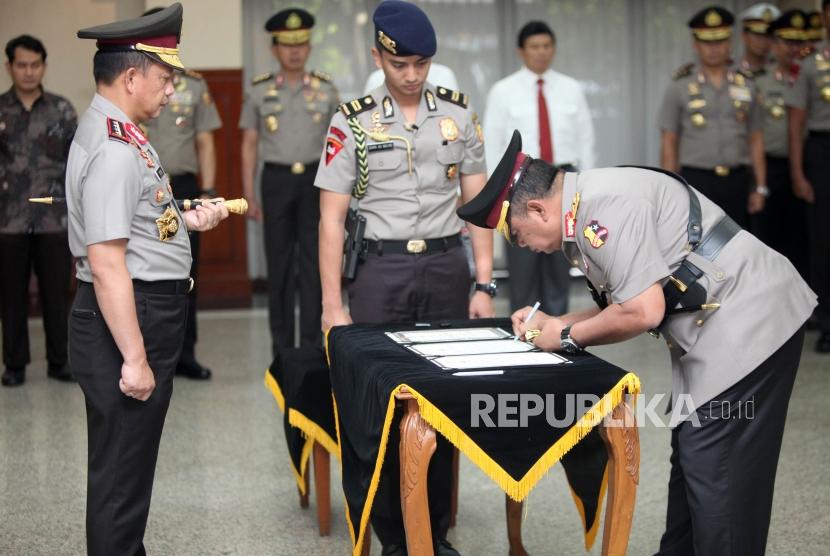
[
  {"x": 470, "y": 348},
  {"x": 489, "y": 360},
  {"x": 448, "y": 335}
]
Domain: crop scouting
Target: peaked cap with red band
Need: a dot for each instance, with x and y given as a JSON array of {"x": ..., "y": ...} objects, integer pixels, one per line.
[
  {"x": 491, "y": 207},
  {"x": 156, "y": 35}
]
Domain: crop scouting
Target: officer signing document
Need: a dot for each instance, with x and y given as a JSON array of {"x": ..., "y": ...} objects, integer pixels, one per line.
[
  {"x": 661, "y": 257},
  {"x": 133, "y": 263}
]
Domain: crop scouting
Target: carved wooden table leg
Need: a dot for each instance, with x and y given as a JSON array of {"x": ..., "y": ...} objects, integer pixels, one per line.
[
  {"x": 619, "y": 431},
  {"x": 454, "y": 495},
  {"x": 304, "y": 497},
  {"x": 416, "y": 449},
  {"x": 322, "y": 489},
  {"x": 513, "y": 511}
]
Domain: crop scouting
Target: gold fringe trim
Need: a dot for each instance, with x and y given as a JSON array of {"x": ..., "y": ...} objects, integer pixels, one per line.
[
  {"x": 313, "y": 431},
  {"x": 345, "y": 501},
  {"x": 271, "y": 384},
  {"x": 518, "y": 490},
  {"x": 591, "y": 534}
]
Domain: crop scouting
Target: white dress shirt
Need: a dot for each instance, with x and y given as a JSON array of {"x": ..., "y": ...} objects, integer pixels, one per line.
[
  {"x": 439, "y": 75},
  {"x": 512, "y": 104}
]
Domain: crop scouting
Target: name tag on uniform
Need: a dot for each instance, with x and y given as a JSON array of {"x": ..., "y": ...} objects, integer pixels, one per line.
[
  {"x": 740, "y": 93},
  {"x": 160, "y": 172},
  {"x": 372, "y": 147}
]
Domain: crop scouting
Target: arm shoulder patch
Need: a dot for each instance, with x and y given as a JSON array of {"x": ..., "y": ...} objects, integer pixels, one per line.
[
  {"x": 261, "y": 78},
  {"x": 683, "y": 71},
  {"x": 358, "y": 105},
  {"x": 321, "y": 75},
  {"x": 454, "y": 97}
]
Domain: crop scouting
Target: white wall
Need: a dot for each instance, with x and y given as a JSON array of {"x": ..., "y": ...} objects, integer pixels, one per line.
[{"x": 211, "y": 32}]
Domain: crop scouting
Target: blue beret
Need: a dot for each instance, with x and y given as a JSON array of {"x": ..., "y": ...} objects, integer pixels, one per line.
[{"x": 403, "y": 29}]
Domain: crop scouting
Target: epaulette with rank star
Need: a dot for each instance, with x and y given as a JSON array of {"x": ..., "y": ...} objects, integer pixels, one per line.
[
  {"x": 321, "y": 75},
  {"x": 117, "y": 131},
  {"x": 194, "y": 74},
  {"x": 357, "y": 106},
  {"x": 262, "y": 77},
  {"x": 683, "y": 71},
  {"x": 454, "y": 97}
]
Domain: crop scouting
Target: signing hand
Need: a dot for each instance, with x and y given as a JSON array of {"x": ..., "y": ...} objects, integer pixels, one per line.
[
  {"x": 518, "y": 320},
  {"x": 137, "y": 380},
  {"x": 205, "y": 217}
]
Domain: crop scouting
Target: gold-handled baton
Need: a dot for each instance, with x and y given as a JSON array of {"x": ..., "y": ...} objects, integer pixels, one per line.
[{"x": 236, "y": 206}]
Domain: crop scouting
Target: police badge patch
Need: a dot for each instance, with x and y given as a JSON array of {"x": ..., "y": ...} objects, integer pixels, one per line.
[{"x": 595, "y": 234}]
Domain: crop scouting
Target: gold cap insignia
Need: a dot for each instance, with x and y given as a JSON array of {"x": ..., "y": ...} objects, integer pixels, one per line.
[
  {"x": 712, "y": 18},
  {"x": 815, "y": 21},
  {"x": 293, "y": 21},
  {"x": 387, "y": 43},
  {"x": 767, "y": 15},
  {"x": 797, "y": 21}
]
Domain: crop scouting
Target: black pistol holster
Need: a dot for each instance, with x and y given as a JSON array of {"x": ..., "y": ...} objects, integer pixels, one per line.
[
  {"x": 354, "y": 248},
  {"x": 682, "y": 292}
]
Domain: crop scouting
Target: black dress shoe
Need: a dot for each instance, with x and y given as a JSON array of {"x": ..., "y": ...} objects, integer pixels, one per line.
[
  {"x": 823, "y": 343},
  {"x": 60, "y": 372},
  {"x": 13, "y": 377},
  {"x": 190, "y": 368},
  {"x": 393, "y": 550},
  {"x": 444, "y": 548}
]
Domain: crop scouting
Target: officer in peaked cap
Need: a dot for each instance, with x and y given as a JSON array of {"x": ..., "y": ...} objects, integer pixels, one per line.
[
  {"x": 755, "y": 21},
  {"x": 629, "y": 230},
  {"x": 808, "y": 103},
  {"x": 711, "y": 122},
  {"x": 400, "y": 153},
  {"x": 133, "y": 262},
  {"x": 286, "y": 115},
  {"x": 815, "y": 27}
]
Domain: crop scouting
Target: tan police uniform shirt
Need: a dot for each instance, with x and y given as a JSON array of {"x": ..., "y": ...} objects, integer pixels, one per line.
[
  {"x": 811, "y": 90},
  {"x": 291, "y": 120},
  {"x": 403, "y": 202},
  {"x": 713, "y": 125},
  {"x": 773, "y": 85},
  {"x": 630, "y": 233},
  {"x": 116, "y": 188},
  {"x": 190, "y": 111}
]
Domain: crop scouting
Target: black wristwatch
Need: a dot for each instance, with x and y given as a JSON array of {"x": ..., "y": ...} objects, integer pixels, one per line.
[
  {"x": 491, "y": 289},
  {"x": 566, "y": 343}
]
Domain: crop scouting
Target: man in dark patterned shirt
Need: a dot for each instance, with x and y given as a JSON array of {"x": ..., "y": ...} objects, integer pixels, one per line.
[{"x": 36, "y": 129}]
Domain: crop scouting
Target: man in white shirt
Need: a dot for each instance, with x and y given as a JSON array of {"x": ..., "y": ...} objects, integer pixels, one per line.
[{"x": 550, "y": 111}]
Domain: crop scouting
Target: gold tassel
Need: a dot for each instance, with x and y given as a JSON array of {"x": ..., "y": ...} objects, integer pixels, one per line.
[
  {"x": 502, "y": 225},
  {"x": 312, "y": 430}
]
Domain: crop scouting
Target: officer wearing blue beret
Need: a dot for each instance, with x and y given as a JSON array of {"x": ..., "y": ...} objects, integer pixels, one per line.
[{"x": 400, "y": 154}]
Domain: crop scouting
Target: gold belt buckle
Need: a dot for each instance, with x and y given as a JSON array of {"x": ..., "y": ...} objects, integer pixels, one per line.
[
  {"x": 298, "y": 168},
  {"x": 722, "y": 170},
  {"x": 416, "y": 246}
]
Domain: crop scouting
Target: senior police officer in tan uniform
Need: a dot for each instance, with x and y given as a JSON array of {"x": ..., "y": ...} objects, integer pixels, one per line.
[
  {"x": 401, "y": 152},
  {"x": 808, "y": 104},
  {"x": 755, "y": 22},
  {"x": 285, "y": 116},
  {"x": 133, "y": 261},
  {"x": 663, "y": 257},
  {"x": 782, "y": 207},
  {"x": 711, "y": 122},
  {"x": 183, "y": 137}
]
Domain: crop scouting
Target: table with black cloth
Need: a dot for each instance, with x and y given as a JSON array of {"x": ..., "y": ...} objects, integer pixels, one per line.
[{"x": 372, "y": 375}]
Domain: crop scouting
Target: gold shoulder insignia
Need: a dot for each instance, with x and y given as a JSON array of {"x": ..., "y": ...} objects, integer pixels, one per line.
[
  {"x": 358, "y": 105},
  {"x": 454, "y": 97},
  {"x": 194, "y": 74},
  {"x": 682, "y": 71},
  {"x": 321, "y": 75},
  {"x": 746, "y": 73},
  {"x": 261, "y": 77}
]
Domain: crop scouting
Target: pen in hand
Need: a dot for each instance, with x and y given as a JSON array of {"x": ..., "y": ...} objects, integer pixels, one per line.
[{"x": 528, "y": 317}]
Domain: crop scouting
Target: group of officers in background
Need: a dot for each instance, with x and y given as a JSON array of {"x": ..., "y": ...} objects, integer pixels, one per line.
[{"x": 754, "y": 136}]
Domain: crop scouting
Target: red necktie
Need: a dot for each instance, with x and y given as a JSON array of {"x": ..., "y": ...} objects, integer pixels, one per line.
[{"x": 545, "y": 136}]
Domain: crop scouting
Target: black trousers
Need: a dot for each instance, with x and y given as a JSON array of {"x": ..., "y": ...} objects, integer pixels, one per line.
[
  {"x": 397, "y": 288},
  {"x": 291, "y": 212},
  {"x": 186, "y": 186},
  {"x": 731, "y": 193},
  {"x": 817, "y": 171},
  {"x": 49, "y": 255},
  {"x": 723, "y": 472},
  {"x": 538, "y": 277},
  {"x": 124, "y": 433},
  {"x": 782, "y": 211}
]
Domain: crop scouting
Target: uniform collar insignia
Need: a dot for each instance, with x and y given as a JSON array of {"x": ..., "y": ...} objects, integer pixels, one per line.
[
  {"x": 388, "y": 108},
  {"x": 430, "y": 98}
]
